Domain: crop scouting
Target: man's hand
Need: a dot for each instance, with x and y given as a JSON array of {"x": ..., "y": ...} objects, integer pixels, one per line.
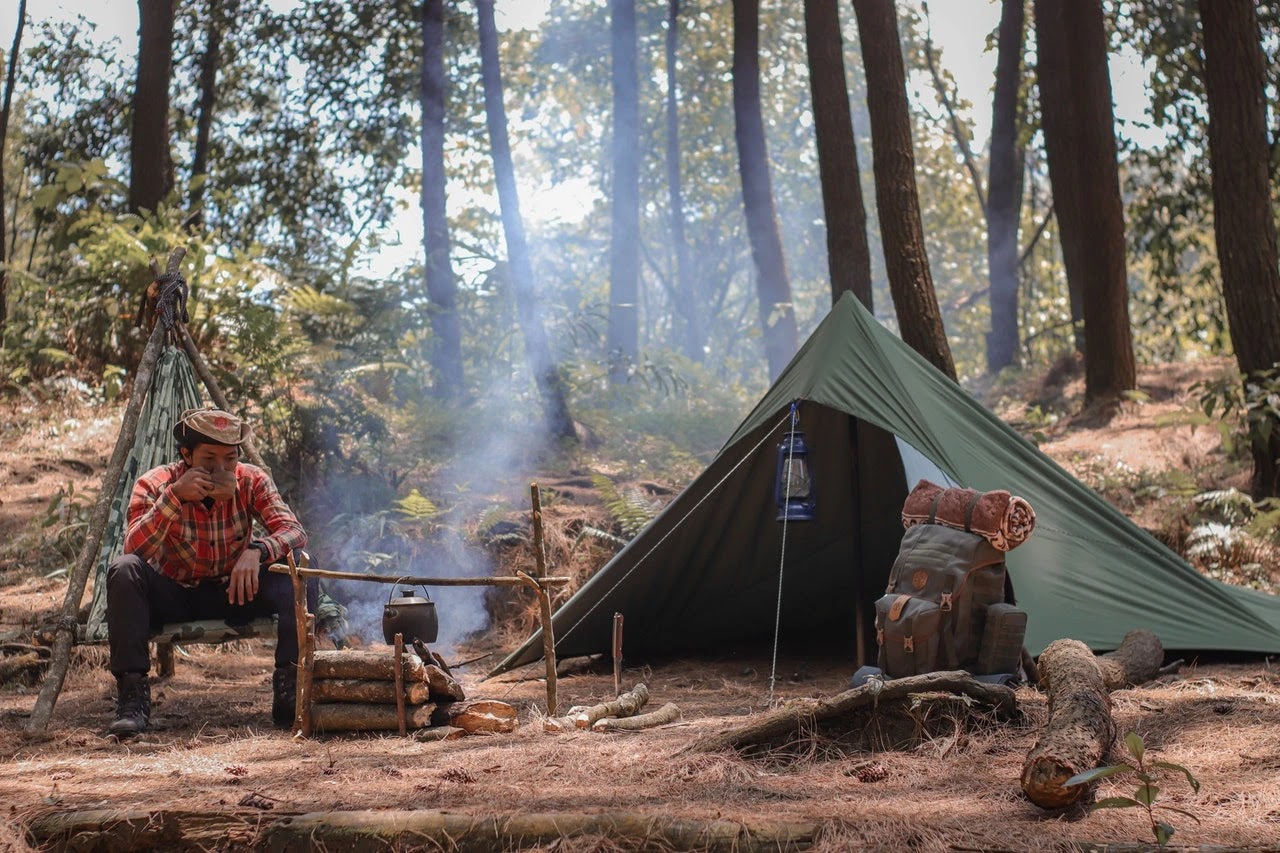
[
  {"x": 224, "y": 485},
  {"x": 193, "y": 485},
  {"x": 244, "y": 578}
]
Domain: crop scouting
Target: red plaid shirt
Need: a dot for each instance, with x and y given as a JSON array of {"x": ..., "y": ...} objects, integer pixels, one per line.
[{"x": 189, "y": 542}]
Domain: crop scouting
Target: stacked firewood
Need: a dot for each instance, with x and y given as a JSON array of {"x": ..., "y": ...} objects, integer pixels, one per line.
[{"x": 358, "y": 690}]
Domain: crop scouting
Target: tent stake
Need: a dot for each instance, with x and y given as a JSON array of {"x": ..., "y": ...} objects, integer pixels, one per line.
[{"x": 67, "y": 624}]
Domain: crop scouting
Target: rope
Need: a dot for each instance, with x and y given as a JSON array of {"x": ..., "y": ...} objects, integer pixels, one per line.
[
  {"x": 655, "y": 547},
  {"x": 782, "y": 553}
]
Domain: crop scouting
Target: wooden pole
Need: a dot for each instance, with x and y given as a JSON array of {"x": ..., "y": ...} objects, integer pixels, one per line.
[
  {"x": 211, "y": 384},
  {"x": 302, "y": 722},
  {"x": 548, "y": 639},
  {"x": 67, "y": 624},
  {"x": 617, "y": 654},
  {"x": 504, "y": 580},
  {"x": 398, "y": 663},
  {"x": 539, "y": 549}
]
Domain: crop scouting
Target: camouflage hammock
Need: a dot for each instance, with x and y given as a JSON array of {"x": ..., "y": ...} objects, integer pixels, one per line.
[{"x": 174, "y": 389}]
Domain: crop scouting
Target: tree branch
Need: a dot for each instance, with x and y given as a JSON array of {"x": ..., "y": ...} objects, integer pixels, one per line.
[{"x": 944, "y": 95}]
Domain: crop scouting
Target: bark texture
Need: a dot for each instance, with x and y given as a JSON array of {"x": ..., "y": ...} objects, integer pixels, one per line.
[
  {"x": 897, "y": 201},
  {"x": 551, "y": 386},
  {"x": 441, "y": 286},
  {"x": 1080, "y": 143},
  {"x": 686, "y": 290},
  {"x": 623, "y": 335},
  {"x": 10, "y": 77},
  {"x": 1080, "y": 730},
  {"x": 367, "y": 664},
  {"x": 373, "y": 717},
  {"x": 848, "y": 256},
  {"x": 150, "y": 160},
  {"x": 209, "y": 64},
  {"x": 368, "y": 691},
  {"x": 801, "y": 714},
  {"x": 1137, "y": 661},
  {"x": 777, "y": 314},
  {"x": 1004, "y": 190},
  {"x": 1243, "y": 217},
  {"x": 668, "y": 713}
]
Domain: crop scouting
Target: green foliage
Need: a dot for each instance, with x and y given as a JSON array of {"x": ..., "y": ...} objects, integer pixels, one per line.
[
  {"x": 1251, "y": 404},
  {"x": 1148, "y": 790},
  {"x": 417, "y": 506},
  {"x": 630, "y": 509},
  {"x": 67, "y": 520}
]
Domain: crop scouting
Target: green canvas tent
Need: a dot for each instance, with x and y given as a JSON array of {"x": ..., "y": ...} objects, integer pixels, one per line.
[{"x": 705, "y": 575}]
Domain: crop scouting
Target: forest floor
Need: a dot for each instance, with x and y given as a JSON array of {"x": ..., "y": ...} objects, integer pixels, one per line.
[{"x": 212, "y": 749}]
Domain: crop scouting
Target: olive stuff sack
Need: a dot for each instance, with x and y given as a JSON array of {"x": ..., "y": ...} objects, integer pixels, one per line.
[{"x": 933, "y": 614}]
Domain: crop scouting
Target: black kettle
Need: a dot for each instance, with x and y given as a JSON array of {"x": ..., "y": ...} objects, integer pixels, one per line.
[{"x": 411, "y": 616}]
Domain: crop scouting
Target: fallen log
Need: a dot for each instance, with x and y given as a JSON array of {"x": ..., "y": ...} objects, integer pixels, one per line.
[
  {"x": 668, "y": 713},
  {"x": 464, "y": 833},
  {"x": 1079, "y": 732},
  {"x": 583, "y": 716},
  {"x": 350, "y": 717},
  {"x": 800, "y": 714},
  {"x": 363, "y": 663},
  {"x": 1137, "y": 661},
  {"x": 443, "y": 686},
  {"x": 476, "y": 716},
  {"x": 368, "y": 691}
]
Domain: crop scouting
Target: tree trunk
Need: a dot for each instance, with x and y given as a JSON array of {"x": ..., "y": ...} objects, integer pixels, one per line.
[
  {"x": 623, "y": 335},
  {"x": 551, "y": 388},
  {"x": 10, "y": 78},
  {"x": 442, "y": 288},
  {"x": 691, "y": 337},
  {"x": 898, "y": 204},
  {"x": 777, "y": 313},
  {"x": 208, "y": 100},
  {"x": 1243, "y": 219},
  {"x": 1004, "y": 190},
  {"x": 848, "y": 257},
  {"x": 150, "y": 162},
  {"x": 1079, "y": 130},
  {"x": 1080, "y": 730}
]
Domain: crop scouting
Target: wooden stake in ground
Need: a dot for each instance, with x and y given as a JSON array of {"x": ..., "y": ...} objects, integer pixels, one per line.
[
  {"x": 548, "y": 638},
  {"x": 800, "y": 714},
  {"x": 67, "y": 624},
  {"x": 399, "y": 670},
  {"x": 1080, "y": 730}
]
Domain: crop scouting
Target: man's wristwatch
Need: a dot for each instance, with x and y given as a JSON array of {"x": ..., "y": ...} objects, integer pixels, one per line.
[{"x": 262, "y": 550}]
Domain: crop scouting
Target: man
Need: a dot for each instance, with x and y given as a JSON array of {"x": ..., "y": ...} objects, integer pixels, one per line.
[{"x": 191, "y": 552}]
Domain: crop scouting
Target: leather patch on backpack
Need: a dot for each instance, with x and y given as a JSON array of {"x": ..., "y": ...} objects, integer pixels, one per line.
[
  {"x": 919, "y": 578},
  {"x": 895, "y": 609}
]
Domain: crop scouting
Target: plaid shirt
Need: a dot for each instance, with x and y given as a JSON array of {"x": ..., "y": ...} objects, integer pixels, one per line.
[{"x": 189, "y": 542}]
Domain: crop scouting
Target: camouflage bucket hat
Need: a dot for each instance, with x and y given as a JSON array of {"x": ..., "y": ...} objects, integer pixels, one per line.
[{"x": 217, "y": 426}]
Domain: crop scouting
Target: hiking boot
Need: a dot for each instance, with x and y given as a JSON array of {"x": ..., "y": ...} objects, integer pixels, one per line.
[
  {"x": 133, "y": 704},
  {"x": 284, "y": 695}
]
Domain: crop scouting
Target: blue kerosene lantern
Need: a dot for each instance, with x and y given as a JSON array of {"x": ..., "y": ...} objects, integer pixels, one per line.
[{"x": 793, "y": 487}]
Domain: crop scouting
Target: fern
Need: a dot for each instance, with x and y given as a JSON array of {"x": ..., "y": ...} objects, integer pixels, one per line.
[
  {"x": 417, "y": 506},
  {"x": 628, "y": 507},
  {"x": 1232, "y": 505}
]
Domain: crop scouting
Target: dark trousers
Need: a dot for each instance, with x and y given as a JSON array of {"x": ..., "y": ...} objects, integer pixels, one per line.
[{"x": 140, "y": 600}]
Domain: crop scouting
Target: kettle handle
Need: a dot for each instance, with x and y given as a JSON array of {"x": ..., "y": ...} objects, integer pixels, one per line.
[{"x": 401, "y": 580}]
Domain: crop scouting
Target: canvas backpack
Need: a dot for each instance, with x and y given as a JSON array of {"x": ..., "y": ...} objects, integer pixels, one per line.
[{"x": 934, "y": 611}]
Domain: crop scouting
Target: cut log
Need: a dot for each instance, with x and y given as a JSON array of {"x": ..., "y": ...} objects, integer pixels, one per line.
[
  {"x": 626, "y": 705},
  {"x": 443, "y": 686},
  {"x": 476, "y": 716},
  {"x": 23, "y": 666},
  {"x": 363, "y": 663},
  {"x": 1080, "y": 730},
  {"x": 439, "y": 733},
  {"x": 367, "y": 691},
  {"x": 668, "y": 713},
  {"x": 1137, "y": 661},
  {"x": 800, "y": 715},
  {"x": 559, "y": 725},
  {"x": 351, "y": 717}
]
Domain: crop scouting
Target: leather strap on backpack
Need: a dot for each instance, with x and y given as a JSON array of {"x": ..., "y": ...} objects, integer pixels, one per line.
[{"x": 968, "y": 511}]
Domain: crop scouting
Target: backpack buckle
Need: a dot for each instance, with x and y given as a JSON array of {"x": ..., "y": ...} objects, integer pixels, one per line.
[
  {"x": 945, "y": 604},
  {"x": 908, "y": 644}
]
